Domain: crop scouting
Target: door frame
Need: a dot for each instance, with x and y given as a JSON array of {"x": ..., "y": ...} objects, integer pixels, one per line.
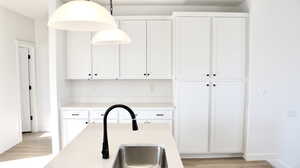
[{"x": 33, "y": 94}]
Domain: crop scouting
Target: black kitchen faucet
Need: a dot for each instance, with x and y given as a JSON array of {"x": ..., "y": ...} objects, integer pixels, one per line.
[{"x": 105, "y": 147}]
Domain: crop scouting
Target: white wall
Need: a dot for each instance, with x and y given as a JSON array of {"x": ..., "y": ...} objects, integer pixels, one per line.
[
  {"x": 273, "y": 113},
  {"x": 13, "y": 27},
  {"x": 42, "y": 73},
  {"x": 137, "y": 91}
]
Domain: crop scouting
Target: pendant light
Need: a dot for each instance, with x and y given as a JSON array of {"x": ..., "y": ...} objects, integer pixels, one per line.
[
  {"x": 111, "y": 36},
  {"x": 81, "y": 15}
]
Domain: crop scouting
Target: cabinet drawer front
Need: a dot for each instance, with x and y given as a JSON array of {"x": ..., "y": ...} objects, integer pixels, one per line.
[
  {"x": 147, "y": 114},
  {"x": 79, "y": 114},
  {"x": 99, "y": 114}
]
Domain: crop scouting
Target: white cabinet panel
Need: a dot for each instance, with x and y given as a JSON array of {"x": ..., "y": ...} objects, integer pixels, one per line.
[
  {"x": 71, "y": 128},
  {"x": 105, "y": 61},
  {"x": 193, "y": 48},
  {"x": 229, "y": 48},
  {"x": 227, "y": 118},
  {"x": 159, "y": 49},
  {"x": 133, "y": 55},
  {"x": 193, "y": 106},
  {"x": 79, "y": 55}
]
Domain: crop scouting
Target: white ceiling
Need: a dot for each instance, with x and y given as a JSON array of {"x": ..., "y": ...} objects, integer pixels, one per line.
[
  {"x": 38, "y": 8},
  {"x": 31, "y": 8}
]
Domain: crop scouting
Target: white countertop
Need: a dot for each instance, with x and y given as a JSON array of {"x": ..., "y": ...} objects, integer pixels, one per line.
[
  {"x": 106, "y": 105},
  {"x": 84, "y": 151}
]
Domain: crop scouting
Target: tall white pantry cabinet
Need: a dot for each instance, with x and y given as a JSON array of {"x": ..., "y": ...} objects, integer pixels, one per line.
[{"x": 210, "y": 79}]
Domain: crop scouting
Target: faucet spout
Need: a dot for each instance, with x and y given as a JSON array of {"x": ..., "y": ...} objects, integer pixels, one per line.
[{"x": 105, "y": 147}]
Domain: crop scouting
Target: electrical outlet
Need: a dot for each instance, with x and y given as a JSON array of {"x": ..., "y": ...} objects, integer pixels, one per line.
[{"x": 292, "y": 114}]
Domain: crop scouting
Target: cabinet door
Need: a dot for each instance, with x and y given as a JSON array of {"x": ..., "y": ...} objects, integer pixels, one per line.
[
  {"x": 133, "y": 55},
  {"x": 159, "y": 50},
  {"x": 227, "y": 118},
  {"x": 193, "y": 114},
  {"x": 72, "y": 127},
  {"x": 105, "y": 61},
  {"x": 193, "y": 48},
  {"x": 229, "y": 48},
  {"x": 79, "y": 55}
]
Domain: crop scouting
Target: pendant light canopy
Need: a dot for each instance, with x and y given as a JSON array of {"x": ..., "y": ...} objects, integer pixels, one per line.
[
  {"x": 112, "y": 36},
  {"x": 80, "y": 15}
]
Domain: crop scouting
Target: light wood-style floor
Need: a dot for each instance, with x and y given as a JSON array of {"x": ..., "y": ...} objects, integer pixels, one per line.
[
  {"x": 33, "y": 145},
  {"x": 39, "y": 145},
  {"x": 224, "y": 163}
]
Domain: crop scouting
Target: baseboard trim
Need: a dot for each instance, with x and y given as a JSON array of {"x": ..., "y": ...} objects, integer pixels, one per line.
[
  {"x": 281, "y": 164},
  {"x": 203, "y": 156},
  {"x": 272, "y": 158}
]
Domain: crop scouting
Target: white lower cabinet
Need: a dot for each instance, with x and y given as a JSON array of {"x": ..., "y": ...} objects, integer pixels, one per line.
[
  {"x": 227, "y": 118},
  {"x": 210, "y": 118},
  {"x": 193, "y": 117},
  {"x": 71, "y": 128},
  {"x": 74, "y": 121}
]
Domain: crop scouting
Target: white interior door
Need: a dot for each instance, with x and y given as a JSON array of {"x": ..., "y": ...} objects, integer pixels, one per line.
[
  {"x": 79, "y": 59},
  {"x": 159, "y": 50},
  {"x": 229, "y": 48},
  {"x": 105, "y": 61},
  {"x": 24, "y": 63},
  {"x": 227, "y": 118},
  {"x": 133, "y": 55},
  {"x": 193, "y": 115},
  {"x": 193, "y": 48}
]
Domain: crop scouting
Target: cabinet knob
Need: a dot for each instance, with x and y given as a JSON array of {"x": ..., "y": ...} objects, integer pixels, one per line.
[
  {"x": 96, "y": 74},
  {"x": 148, "y": 74},
  {"x": 207, "y": 85},
  {"x": 90, "y": 74},
  {"x": 86, "y": 122},
  {"x": 207, "y": 75},
  {"x": 145, "y": 74},
  {"x": 214, "y": 74},
  {"x": 214, "y": 85}
]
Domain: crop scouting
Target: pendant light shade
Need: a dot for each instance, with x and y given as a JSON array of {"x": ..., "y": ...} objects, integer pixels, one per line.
[
  {"x": 112, "y": 36},
  {"x": 80, "y": 15}
]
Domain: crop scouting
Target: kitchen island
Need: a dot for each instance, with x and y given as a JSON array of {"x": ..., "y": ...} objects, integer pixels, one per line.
[{"x": 85, "y": 150}]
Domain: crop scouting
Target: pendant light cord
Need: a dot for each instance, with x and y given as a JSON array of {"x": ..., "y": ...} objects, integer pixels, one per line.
[{"x": 111, "y": 7}]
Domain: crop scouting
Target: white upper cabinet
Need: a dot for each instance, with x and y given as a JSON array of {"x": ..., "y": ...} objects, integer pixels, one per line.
[
  {"x": 229, "y": 48},
  {"x": 159, "y": 49},
  {"x": 227, "y": 118},
  {"x": 79, "y": 55},
  {"x": 193, "y": 48},
  {"x": 193, "y": 125},
  {"x": 133, "y": 55},
  {"x": 105, "y": 61}
]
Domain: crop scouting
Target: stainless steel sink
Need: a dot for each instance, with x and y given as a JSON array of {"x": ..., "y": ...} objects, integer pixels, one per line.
[{"x": 141, "y": 156}]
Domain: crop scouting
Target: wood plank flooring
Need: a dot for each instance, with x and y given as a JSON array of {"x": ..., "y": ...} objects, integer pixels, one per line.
[
  {"x": 33, "y": 145},
  {"x": 224, "y": 163}
]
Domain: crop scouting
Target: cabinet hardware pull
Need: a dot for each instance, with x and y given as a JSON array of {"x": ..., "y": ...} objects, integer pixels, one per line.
[
  {"x": 90, "y": 74},
  {"x": 96, "y": 74},
  {"x": 86, "y": 122},
  {"x": 207, "y": 85},
  {"x": 207, "y": 75},
  {"x": 75, "y": 114},
  {"x": 214, "y": 74},
  {"x": 145, "y": 74},
  {"x": 159, "y": 115},
  {"x": 214, "y": 85}
]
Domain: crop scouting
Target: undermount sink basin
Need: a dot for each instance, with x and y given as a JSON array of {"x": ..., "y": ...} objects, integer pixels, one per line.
[{"x": 141, "y": 156}]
